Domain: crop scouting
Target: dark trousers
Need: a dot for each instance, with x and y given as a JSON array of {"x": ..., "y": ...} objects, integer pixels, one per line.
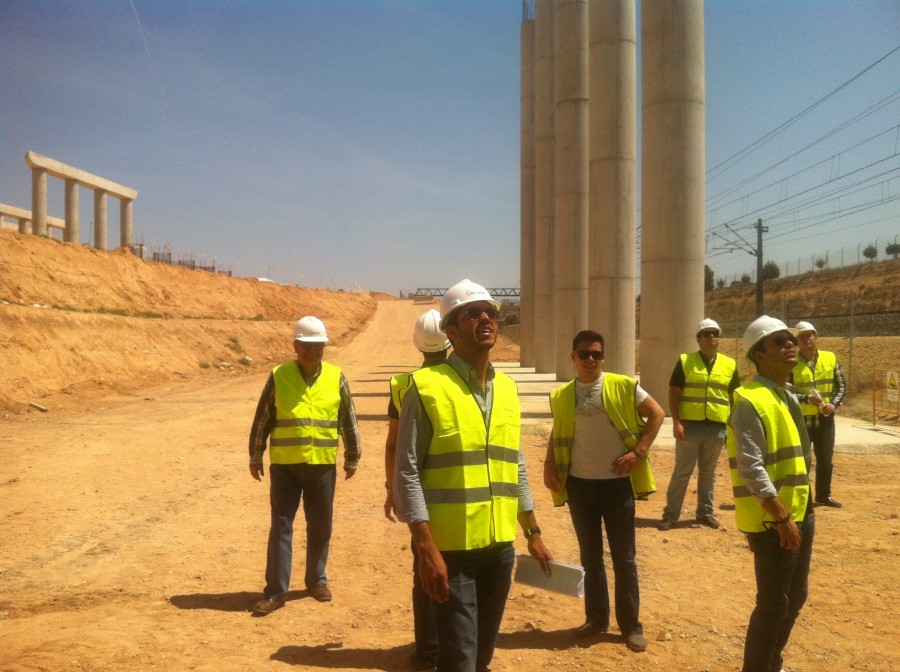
[
  {"x": 468, "y": 623},
  {"x": 822, "y": 438},
  {"x": 424, "y": 618},
  {"x": 289, "y": 483},
  {"x": 782, "y": 584},
  {"x": 594, "y": 503}
]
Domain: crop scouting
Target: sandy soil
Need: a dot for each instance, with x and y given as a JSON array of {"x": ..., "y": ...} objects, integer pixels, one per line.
[{"x": 134, "y": 539}]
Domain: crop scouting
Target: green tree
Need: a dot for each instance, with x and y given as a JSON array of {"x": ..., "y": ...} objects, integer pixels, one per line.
[
  {"x": 771, "y": 270},
  {"x": 870, "y": 253},
  {"x": 720, "y": 283},
  {"x": 893, "y": 249},
  {"x": 709, "y": 278},
  {"x": 745, "y": 278},
  {"x": 821, "y": 263}
]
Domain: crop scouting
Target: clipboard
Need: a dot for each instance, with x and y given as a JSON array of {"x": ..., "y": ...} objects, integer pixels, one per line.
[{"x": 564, "y": 578}]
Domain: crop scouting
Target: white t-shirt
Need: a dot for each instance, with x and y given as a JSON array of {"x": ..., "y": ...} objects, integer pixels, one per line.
[{"x": 597, "y": 443}]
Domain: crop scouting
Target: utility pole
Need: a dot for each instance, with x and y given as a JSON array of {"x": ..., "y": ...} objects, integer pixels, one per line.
[{"x": 760, "y": 229}]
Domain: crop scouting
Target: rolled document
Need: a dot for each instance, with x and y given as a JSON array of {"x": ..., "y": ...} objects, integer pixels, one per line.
[{"x": 565, "y": 579}]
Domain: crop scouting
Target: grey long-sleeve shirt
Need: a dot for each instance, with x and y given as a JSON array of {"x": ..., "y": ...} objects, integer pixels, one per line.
[
  {"x": 750, "y": 439},
  {"x": 414, "y": 438}
]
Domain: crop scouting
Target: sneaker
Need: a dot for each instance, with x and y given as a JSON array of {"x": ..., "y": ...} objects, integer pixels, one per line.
[
  {"x": 321, "y": 592},
  {"x": 709, "y": 521},
  {"x": 636, "y": 642},
  {"x": 665, "y": 525}
]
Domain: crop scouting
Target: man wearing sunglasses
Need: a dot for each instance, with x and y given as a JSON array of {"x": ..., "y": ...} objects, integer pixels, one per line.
[
  {"x": 700, "y": 390},
  {"x": 819, "y": 382},
  {"x": 597, "y": 463},
  {"x": 768, "y": 449},
  {"x": 460, "y": 482}
]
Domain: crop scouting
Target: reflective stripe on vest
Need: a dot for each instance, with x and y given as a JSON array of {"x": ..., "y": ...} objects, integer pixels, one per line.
[
  {"x": 306, "y": 426},
  {"x": 470, "y": 477},
  {"x": 618, "y": 400},
  {"x": 821, "y": 378},
  {"x": 705, "y": 393},
  {"x": 784, "y": 462}
]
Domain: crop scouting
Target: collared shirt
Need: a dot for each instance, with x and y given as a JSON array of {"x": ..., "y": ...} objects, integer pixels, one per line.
[
  {"x": 266, "y": 416},
  {"x": 414, "y": 439},
  {"x": 750, "y": 438}
]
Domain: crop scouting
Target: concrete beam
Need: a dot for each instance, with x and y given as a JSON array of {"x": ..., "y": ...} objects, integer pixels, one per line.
[
  {"x": 66, "y": 172},
  {"x": 23, "y": 215}
]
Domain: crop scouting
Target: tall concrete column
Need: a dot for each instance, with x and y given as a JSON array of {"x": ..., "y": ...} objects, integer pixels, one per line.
[
  {"x": 544, "y": 189},
  {"x": 39, "y": 201},
  {"x": 125, "y": 221},
  {"x": 613, "y": 184},
  {"x": 526, "y": 195},
  {"x": 70, "y": 235},
  {"x": 100, "y": 227},
  {"x": 571, "y": 263},
  {"x": 23, "y": 225},
  {"x": 673, "y": 165}
]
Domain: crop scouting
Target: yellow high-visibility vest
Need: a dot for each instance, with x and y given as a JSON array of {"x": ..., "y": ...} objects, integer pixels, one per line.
[
  {"x": 705, "y": 393},
  {"x": 306, "y": 427},
  {"x": 470, "y": 477},
  {"x": 399, "y": 388},
  {"x": 821, "y": 378},
  {"x": 618, "y": 399},
  {"x": 784, "y": 461}
]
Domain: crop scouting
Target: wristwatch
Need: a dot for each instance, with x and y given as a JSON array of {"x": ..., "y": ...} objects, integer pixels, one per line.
[{"x": 531, "y": 531}]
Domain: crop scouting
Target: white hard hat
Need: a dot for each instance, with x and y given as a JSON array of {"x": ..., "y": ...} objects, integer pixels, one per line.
[
  {"x": 310, "y": 329},
  {"x": 707, "y": 323},
  {"x": 463, "y": 292},
  {"x": 757, "y": 330},
  {"x": 804, "y": 326},
  {"x": 427, "y": 335}
]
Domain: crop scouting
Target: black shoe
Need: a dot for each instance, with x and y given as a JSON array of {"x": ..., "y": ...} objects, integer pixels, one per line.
[
  {"x": 829, "y": 501},
  {"x": 424, "y": 663},
  {"x": 665, "y": 525},
  {"x": 590, "y": 628},
  {"x": 709, "y": 521}
]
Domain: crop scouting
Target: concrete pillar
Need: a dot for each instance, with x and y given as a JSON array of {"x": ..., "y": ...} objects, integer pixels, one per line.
[
  {"x": 23, "y": 225},
  {"x": 571, "y": 265},
  {"x": 526, "y": 196},
  {"x": 613, "y": 184},
  {"x": 70, "y": 235},
  {"x": 126, "y": 222},
  {"x": 672, "y": 185},
  {"x": 39, "y": 201},
  {"x": 100, "y": 227},
  {"x": 544, "y": 194}
]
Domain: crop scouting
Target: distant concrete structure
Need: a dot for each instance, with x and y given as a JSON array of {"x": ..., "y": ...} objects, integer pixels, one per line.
[
  {"x": 526, "y": 193},
  {"x": 23, "y": 219},
  {"x": 673, "y": 191},
  {"x": 612, "y": 264},
  {"x": 42, "y": 166}
]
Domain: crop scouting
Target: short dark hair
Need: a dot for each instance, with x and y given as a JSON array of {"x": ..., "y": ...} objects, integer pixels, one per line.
[{"x": 587, "y": 336}]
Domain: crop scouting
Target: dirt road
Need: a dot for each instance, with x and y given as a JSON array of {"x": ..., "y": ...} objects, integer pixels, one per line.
[{"x": 133, "y": 538}]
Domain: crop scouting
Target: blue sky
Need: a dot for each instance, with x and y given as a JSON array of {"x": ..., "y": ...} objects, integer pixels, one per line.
[{"x": 376, "y": 144}]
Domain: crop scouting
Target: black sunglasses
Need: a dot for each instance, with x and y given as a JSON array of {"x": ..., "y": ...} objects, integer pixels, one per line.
[
  {"x": 710, "y": 334},
  {"x": 475, "y": 313},
  {"x": 596, "y": 355},
  {"x": 781, "y": 339}
]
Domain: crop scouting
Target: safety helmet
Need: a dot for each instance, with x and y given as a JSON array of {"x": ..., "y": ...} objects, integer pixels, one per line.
[
  {"x": 427, "y": 335},
  {"x": 757, "y": 330},
  {"x": 804, "y": 326},
  {"x": 707, "y": 323},
  {"x": 462, "y": 293},
  {"x": 310, "y": 329}
]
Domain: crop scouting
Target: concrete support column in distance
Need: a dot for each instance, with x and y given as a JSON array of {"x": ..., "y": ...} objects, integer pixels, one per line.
[
  {"x": 126, "y": 211},
  {"x": 612, "y": 255},
  {"x": 672, "y": 185},
  {"x": 544, "y": 194},
  {"x": 571, "y": 265},
  {"x": 526, "y": 195},
  {"x": 23, "y": 225},
  {"x": 39, "y": 201},
  {"x": 70, "y": 235},
  {"x": 100, "y": 227}
]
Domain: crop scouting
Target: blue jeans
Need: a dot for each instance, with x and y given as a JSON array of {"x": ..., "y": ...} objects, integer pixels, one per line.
[
  {"x": 315, "y": 484},
  {"x": 594, "y": 503},
  {"x": 424, "y": 618},
  {"x": 782, "y": 584},
  {"x": 702, "y": 446},
  {"x": 468, "y": 623}
]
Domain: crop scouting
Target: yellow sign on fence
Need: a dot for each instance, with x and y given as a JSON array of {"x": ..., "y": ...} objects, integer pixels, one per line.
[{"x": 885, "y": 396}]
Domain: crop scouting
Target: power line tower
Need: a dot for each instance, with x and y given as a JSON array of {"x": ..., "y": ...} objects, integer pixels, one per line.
[{"x": 742, "y": 244}]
